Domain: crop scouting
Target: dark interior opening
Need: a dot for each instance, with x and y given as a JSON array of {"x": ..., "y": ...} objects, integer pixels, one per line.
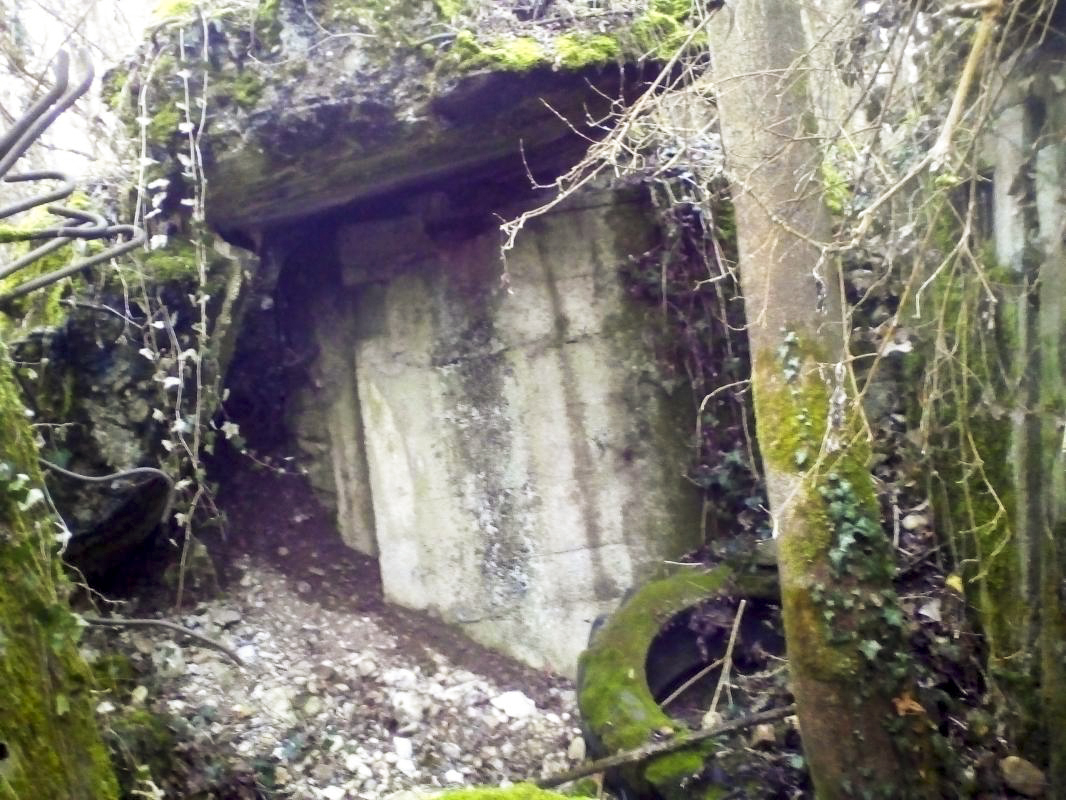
[{"x": 684, "y": 662}]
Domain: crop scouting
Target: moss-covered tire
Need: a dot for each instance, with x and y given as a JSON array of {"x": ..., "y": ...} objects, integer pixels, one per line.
[{"x": 617, "y": 706}]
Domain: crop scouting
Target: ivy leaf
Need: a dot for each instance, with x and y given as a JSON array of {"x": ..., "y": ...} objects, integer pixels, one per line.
[
  {"x": 33, "y": 497},
  {"x": 870, "y": 649}
]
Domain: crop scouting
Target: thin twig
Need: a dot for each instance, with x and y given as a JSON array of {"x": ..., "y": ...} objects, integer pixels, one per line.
[
  {"x": 728, "y": 658},
  {"x": 659, "y": 748},
  {"x": 139, "y": 622},
  {"x": 695, "y": 678}
]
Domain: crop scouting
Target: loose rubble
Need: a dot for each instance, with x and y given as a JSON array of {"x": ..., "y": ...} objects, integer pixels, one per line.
[{"x": 336, "y": 705}]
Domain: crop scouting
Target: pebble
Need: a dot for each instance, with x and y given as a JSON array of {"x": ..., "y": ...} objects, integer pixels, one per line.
[
  {"x": 514, "y": 704},
  {"x": 226, "y": 617},
  {"x": 247, "y": 653},
  {"x": 763, "y": 735},
  {"x": 345, "y": 708},
  {"x": 912, "y": 522},
  {"x": 1023, "y": 776}
]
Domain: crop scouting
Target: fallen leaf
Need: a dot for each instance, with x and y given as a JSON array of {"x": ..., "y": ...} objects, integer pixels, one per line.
[{"x": 907, "y": 705}]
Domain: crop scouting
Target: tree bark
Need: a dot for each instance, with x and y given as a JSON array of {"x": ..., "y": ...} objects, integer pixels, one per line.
[{"x": 847, "y": 657}]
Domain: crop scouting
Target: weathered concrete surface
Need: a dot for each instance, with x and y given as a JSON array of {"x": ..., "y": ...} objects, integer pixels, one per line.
[
  {"x": 329, "y": 429},
  {"x": 1027, "y": 150},
  {"x": 311, "y": 108},
  {"x": 525, "y": 461}
]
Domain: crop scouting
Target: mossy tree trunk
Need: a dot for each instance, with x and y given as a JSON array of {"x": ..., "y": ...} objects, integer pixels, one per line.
[
  {"x": 50, "y": 748},
  {"x": 848, "y": 660}
]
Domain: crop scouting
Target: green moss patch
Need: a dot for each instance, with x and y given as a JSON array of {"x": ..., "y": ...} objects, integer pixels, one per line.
[
  {"x": 50, "y": 738},
  {"x": 575, "y": 50},
  {"x": 613, "y": 692},
  {"x": 513, "y": 54}
]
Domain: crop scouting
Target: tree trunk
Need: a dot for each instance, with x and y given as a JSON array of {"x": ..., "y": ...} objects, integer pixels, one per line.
[
  {"x": 50, "y": 748},
  {"x": 863, "y": 734}
]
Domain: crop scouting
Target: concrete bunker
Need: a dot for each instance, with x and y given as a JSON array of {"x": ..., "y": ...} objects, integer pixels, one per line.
[{"x": 498, "y": 435}]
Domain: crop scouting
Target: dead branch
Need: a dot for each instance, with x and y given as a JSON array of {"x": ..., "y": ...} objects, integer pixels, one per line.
[
  {"x": 128, "y": 622},
  {"x": 659, "y": 748}
]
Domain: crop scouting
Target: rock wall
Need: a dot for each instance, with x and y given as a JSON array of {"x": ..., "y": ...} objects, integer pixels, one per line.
[{"x": 523, "y": 459}]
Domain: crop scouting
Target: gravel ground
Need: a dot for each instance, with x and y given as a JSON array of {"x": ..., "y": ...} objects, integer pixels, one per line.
[
  {"x": 341, "y": 695},
  {"x": 337, "y": 705}
]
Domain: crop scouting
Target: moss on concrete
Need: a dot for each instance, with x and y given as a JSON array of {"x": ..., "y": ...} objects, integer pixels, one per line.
[
  {"x": 167, "y": 10},
  {"x": 46, "y": 720},
  {"x": 267, "y": 23},
  {"x": 163, "y": 125},
  {"x": 246, "y": 89},
  {"x": 42, "y": 308},
  {"x": 144, "y": 744},
  {"x": 661, "y": 30},
  {"x": 510, "y": 54},
  {"x": 613, "y": 692},
  {"x": 577, "y": 50},
  {"x": 177, "y": 262}
]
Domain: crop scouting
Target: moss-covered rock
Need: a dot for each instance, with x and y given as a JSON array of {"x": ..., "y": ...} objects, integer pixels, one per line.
[
  {"x": 92, "y": 373},
  {"x": 49, "y": 744}
]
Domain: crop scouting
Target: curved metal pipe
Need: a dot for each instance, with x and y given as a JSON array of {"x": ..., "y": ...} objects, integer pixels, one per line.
[
  {"x": 36, "y": 127},
  {"x": 60, "y": 193},
  {"x": 137, "y": 238},
  {"x": 87, "y": 224},
  {"x": 8, "y": 140}
]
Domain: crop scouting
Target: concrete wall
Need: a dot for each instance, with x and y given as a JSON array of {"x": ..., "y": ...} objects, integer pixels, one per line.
[{"x": 525, "y": 460}]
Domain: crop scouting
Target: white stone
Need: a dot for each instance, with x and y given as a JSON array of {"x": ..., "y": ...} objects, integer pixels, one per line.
[
  {"x": 1023, "y": 776},
  {"x": 247, "y": 653},
  {"x": 453, "y": 776},
  {"x": 913, "y": 522},
  {"x": 277, "y": 700},
  {"x": 403, "y": 746},
  {"x": 409, "y": 706},
  {"x": 400, "y": 678},
  {"x": 577, "y": 749},
  {"x": 514, "y": 704},
  {"x": 763, "y": 735}
]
